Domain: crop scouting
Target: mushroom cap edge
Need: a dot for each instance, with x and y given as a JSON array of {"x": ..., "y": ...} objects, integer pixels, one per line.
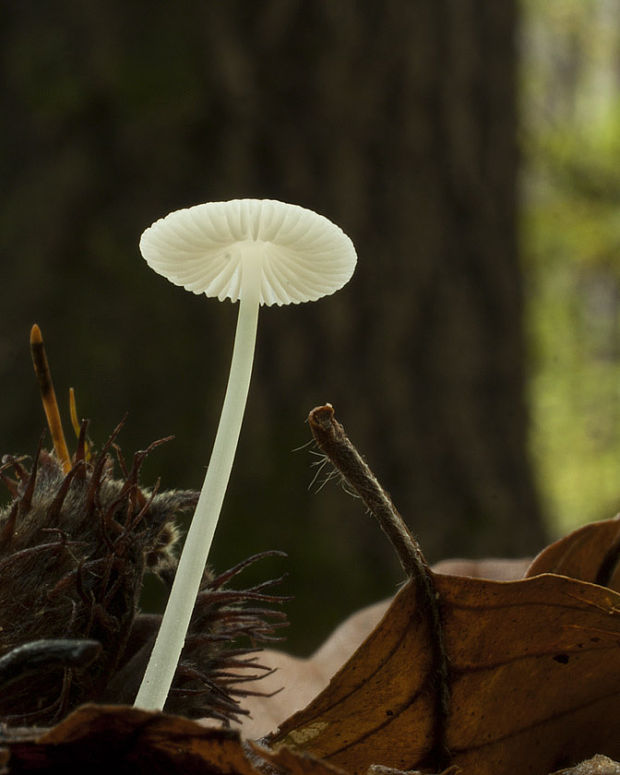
[{"x": 203, "y": 248}]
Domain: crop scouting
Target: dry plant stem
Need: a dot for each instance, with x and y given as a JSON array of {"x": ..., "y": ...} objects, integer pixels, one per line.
[
  {"x": 333, "y": 441},
  {"x": 48, "y": 396}
]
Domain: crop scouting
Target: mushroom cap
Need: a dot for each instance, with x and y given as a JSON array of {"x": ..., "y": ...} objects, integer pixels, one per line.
[{"x": 204, "y": 248}]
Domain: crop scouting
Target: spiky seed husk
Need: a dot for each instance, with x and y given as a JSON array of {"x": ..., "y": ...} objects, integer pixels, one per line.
[{"x": 74, "y": 548}]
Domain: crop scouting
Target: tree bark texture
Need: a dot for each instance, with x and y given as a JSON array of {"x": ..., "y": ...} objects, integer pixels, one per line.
[{"x": 397, "y": 120}]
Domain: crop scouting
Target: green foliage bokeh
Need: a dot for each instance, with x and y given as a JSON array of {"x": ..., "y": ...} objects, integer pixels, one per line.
[{"x": 571, "y": 253}]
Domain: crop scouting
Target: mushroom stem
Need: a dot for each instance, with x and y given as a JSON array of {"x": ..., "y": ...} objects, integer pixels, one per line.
[{"x": 175, "y": 622}]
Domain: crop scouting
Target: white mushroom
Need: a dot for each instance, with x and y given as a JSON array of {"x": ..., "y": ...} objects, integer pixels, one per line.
[{"x": 257, "y": 251}]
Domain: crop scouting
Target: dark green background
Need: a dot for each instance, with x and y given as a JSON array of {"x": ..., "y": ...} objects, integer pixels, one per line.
[{"x": 396, "y": 120}]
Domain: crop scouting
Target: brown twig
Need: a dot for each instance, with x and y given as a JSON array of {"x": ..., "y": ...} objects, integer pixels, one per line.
[{"x": 333, "y": 441}]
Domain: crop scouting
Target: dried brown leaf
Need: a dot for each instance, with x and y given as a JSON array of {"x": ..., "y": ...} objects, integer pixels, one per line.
[
  {"x": 296, "y": 681},
  {"x": 534, "y": 681},
  {"x": 119, "y": 739},
  {"x": 591, "y": 553}
]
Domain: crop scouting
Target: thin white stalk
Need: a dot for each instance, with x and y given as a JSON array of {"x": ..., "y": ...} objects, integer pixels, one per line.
[{"x": 175, "y": 622}]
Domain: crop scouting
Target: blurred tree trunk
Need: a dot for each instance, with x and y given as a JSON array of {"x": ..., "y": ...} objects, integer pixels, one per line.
[{"x": 397, "y": 120}]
